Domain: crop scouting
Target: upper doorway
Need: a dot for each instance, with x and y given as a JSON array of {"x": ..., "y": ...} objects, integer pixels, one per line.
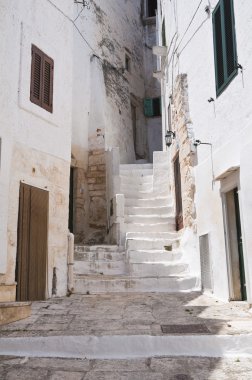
[
  {"x": 178, "y": 195},
  {"x": 32, "y": 245},
  {"x": 235, "y": 256}
]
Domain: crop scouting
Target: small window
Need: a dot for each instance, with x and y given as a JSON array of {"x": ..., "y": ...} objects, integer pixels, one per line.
[
  {"x": 152, "y": 107},
  {"x": 127, "y": 63},
  {"x": 41, "y": 92},
  {"x": 169, "y": 118},
  {"x": 151, "y": 8},
  {"x": 224, "y": 44},
  {"x": 163, "y": 34}
]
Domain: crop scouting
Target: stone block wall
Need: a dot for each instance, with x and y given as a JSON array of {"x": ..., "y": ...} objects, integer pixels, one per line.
[
  {"x": 96, "y": 178},
  {"x": 182, "y": 125}
]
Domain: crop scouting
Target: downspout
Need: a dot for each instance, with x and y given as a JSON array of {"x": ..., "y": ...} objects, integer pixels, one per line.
[{"x": 70, "y": 263}]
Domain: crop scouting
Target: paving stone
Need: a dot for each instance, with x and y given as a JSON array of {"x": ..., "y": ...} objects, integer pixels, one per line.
[
  {"x": 124, "y": 376},
  {"x": 26, "y": 374},
  {"x": 120, "y": 365},
  {"x": 62, "y": 375},
  {"x": 82, "y": 365}
]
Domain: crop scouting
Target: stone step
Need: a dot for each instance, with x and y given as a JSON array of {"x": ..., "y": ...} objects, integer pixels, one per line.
[
  {"x": 153, "y": 256},
  {"x": 100, "y": 267},
  {"x": 82, "y": 255},
  {"x": 136, "y": 244},
  {"x": 148, "y": 202},
  {"x": 155, "y": 227},
  {"x": 159, "y": 269},
  {"x": 111, "y": 284},
  {"x": 145, "y": 195},
  {"x": 125, "y": 179},
  {"x": 138, "y": 172},
  {"x": 162, "y": 210},
  {"x": 129, "y": 187},
  {"x": 14, "y": 311},
  {"x": 149, "y": 219},
  {"x": 136, "y": 166}
]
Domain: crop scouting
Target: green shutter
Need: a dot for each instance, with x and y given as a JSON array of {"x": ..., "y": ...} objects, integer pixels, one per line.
[
  {"x": 163, "y": 34},
  {"x": 148, "y": 107},
  {"x": 160, "y": 105},
  {"x": 224, "y": 44}
]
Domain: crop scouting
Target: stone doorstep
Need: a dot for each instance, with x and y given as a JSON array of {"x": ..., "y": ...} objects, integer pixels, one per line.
[
  {"x": 105, "y": 284},
  {"x": 130, "y": 347},
  {"x": 14, "y": 311}
]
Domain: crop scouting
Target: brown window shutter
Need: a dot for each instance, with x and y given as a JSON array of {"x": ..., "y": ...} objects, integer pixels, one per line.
[
  {"x": 36, "y": 76},
  {"x": 47, "y": 91}
]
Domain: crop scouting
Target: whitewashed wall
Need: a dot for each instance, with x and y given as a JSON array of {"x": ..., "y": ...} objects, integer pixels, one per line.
[
  {"x": 229, "y": 130},
  {"x": 36, "y": 144}
]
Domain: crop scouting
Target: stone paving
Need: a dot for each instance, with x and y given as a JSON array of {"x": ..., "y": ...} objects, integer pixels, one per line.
[
  {"x": 128, "y": 314},
  {"x": 12, "y": 368}
]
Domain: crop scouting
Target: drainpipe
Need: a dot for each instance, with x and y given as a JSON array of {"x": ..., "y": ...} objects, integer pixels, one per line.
[{"x": 70, "y": 263}]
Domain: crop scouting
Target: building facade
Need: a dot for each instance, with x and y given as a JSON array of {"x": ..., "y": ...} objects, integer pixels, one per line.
[
  {"x": 205, "y": 63},
  {"x": 77, "y": 86}
]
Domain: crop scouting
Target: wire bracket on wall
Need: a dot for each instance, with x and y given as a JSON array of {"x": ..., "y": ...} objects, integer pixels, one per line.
[
  {"x": 240, "y": 67},
  {"x": 211, "y": 100},
  {"x": 196, "y": 144},
  {"x": 85, "y": 3}
]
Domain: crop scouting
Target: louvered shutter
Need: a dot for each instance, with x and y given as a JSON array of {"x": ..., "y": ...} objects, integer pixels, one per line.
[
  {"x": 224, "y": 44},
  {"x": 47, "y": 91},
  {"x": 218, "y": 45},
  {"x": 148, "y": 107},
  {"x": 36, "y": 76},
  {"x": 231, "y": 57},
  {"x": 41, "y": 92}
]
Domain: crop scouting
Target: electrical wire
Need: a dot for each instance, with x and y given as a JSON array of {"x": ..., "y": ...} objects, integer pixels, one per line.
[
  {"x": 190, "y": 23},
  {"x": 76, "y": 27},
  {"x": 196, "y": 31},
  {"x": 119, "y": 70}
]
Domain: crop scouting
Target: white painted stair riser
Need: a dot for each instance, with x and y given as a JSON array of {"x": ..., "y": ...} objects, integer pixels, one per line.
[
  {"x": 130, "y": 346},
  {"x": 161, "y": 269},
  {"x": 100, "y": 267},
  {"x": 147, "y": 244},
  {"x": 156, "y": 227},
  {"x": 101, "y": 284},
  {"x": 153, "y": 256},
  {"x": 149, "y": 219},
  {"x": 165, "y": 210}
]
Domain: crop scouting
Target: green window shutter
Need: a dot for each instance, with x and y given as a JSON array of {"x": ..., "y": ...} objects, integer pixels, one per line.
[
  {"x": 148, "y": 107},
  {"x": 160, "y": 105},
  {"x": 224, "y": 44},
  {"x": 163, "y": 34}
]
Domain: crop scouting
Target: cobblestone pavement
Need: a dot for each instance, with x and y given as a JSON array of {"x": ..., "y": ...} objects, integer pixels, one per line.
[
  {"x": 142, "y": 369},
  {"x": 129, "y": 314}
]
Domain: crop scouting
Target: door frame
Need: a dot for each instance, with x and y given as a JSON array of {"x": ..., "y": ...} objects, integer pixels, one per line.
[
  {"x": 179, "y": 225},
  {"x": 229, "y": 183},
  {"x": 21, "y": 183}
]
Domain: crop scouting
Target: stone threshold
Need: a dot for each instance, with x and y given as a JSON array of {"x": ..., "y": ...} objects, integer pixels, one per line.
[{"x": 129, "y": 347}]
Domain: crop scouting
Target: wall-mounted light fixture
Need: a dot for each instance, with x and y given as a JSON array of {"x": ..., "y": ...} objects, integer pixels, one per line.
[{"x": 169, "y": 136}]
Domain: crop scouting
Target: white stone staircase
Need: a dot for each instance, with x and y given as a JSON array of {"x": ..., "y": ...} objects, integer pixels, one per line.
[{"x": 152, "y": 260}]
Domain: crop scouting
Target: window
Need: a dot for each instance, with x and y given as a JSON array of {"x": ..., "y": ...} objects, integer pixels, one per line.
[
  {"x": 152, "y": 107},
  {"x": 127, "y": 63},
  {"x": 163, "y": 34},
  {"x": 169, "y": 118},
  {"x": 41, "y": 92},
  {"x": 224, "y": 44},
  {"x": 151, "y": 8}
]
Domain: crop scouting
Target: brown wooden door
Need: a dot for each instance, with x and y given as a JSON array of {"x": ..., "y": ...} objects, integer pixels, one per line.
[
  {"x": 178, "y": 194},
  {"x": 31, "y": 269}
]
